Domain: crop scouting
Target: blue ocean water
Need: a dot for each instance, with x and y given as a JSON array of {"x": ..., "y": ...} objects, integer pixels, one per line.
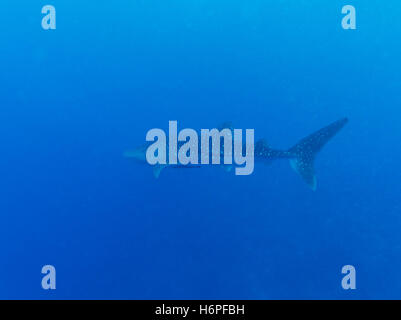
[{"x": 75, "y": 98}]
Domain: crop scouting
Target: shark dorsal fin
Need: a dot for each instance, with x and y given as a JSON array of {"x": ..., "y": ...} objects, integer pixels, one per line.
[{"x": 226, "y": 125}]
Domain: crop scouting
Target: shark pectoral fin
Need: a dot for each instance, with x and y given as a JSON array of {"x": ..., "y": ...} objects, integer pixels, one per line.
[
  {"x": 304, "y": 168},
  {"x": 227, "y": 167},
  {"x": 157, "y": 169}
]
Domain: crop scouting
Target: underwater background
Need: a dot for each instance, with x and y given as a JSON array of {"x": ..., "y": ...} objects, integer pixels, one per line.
[{"x": 72, "y": 100}]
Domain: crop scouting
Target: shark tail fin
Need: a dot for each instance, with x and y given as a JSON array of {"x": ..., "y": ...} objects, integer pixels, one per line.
[{"x": 305, "y": 151}]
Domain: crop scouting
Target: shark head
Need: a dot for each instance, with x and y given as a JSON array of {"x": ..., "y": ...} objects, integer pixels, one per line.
[{"x": 138, "y": 154}]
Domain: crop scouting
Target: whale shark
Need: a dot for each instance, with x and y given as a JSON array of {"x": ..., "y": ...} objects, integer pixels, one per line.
[{"x": 301, "y": 156}]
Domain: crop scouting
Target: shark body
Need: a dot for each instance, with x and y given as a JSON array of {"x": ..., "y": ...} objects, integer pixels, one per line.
[{"x": 301, "y": 156}]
